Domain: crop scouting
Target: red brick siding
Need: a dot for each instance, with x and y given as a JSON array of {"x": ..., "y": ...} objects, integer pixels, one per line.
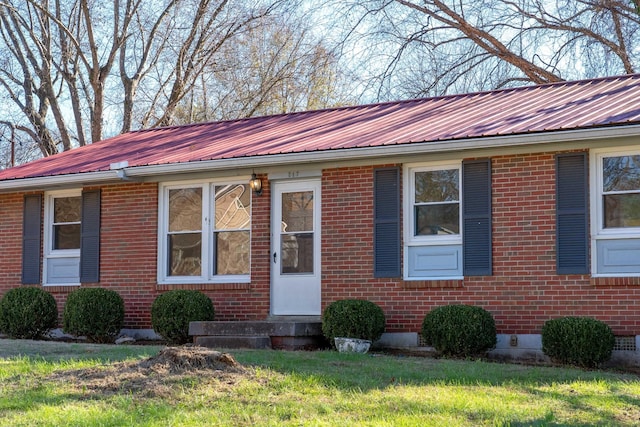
[
  {"x": 522, "y": 293},
  {"x": 11, "y": 206},
  {"x": 524, "y": 290}
]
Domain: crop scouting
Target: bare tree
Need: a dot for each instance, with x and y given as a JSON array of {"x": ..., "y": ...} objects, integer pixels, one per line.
[
  {"x": 276, "y": 65},
  {"x": 73, "y": 71},
  {"x": 426, "y": 47}
]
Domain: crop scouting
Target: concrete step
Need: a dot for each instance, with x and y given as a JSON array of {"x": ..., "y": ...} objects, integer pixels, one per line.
[
  {"x": 234, "y": 341},
  {"x": 277, "y": 328},
  {"x": 286, "y": 334}
]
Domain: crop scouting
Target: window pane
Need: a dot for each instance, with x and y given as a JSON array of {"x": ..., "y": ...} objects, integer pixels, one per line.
[
  {"x": 297, "y": 211},
  {"x": 232, "y": 250},
  {"x": 185, "y": 254},
  {"x": 437, "y": 219},
  {"x": 297, "y": 253},
  {"x": 67, "y": 209},
  {"x": 66, "y": 236},
  {"x": 185, "y": 209},
  {"x": 233, "y": 203},
  {"x": 622, "y": 210},
  {"x": 621, "y": 173},
  {"x": 437, "y": 186}
]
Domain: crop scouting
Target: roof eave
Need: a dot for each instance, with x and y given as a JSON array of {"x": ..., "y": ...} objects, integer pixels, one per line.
[{"x": 402, "y": 149}]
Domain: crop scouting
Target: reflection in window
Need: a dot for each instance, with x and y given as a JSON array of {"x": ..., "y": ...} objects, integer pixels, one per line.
[
  {"x": 296, "y": 237},
  {"x": 185, "y": 232},
  {"x": 621, "y": 191},
  {"x": 209, "y": 231},
  {"x": 232, "y": 229},
  {"x": 66, "y": 222},
  {"x": 437, "y": 202}
]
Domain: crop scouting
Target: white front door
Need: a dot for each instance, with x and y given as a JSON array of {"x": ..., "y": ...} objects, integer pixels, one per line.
[{"x": 295, "y": 248}]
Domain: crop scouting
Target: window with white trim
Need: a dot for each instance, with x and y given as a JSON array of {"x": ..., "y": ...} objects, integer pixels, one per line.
[
  {"x": 436, "y": 202},
  {"x": 616, "y": 220},
  {"x": 204, "y": 233},
  {"x": 62, "y": 227},
  {"x": 433, "y": 240},
  {"x": 621, "y": 191}
]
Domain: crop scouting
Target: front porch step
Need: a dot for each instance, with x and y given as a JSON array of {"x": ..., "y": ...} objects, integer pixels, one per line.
[
  {"x": 281, "y": 333},
  {"x": 234, "y": 341}
]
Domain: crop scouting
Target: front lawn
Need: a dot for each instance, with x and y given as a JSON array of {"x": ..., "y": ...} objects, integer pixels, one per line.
[{"x": 50, "y": 384}]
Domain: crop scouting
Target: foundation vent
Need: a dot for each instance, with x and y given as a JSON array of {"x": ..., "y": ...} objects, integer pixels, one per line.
[{"x": 625, "y": 343}]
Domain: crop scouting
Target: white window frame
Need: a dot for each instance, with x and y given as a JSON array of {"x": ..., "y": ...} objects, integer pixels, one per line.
[
  {"x": 409, "y": 203},
  {"x": 597, "y": 194},
  {"x": 433, "y": 241},
  {"x": 48, "y": 251},
  {"x": 206, "y": 272},
  {"x": 598, "y": 231}
]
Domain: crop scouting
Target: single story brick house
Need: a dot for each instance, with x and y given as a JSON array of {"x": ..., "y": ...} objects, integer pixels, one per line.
[{"x": 523, "y": 201}]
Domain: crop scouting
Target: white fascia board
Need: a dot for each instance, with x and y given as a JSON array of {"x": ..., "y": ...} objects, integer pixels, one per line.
[
  {"x": 402, "y": 149},
  {"x": 49, "y": 182}
]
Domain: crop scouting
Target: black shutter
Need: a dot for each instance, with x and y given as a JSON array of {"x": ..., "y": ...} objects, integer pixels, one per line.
[
  {"x": 386, "y": 207},
  {"x": 90, "y": 237},
  {"x": 31, "y": 242},
  {"x": 572, "y": 241},
  {"x": 476, "y": 217}
]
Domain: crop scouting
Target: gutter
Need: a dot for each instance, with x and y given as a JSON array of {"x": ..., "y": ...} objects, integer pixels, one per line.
[{"x": 121, "y": 171}]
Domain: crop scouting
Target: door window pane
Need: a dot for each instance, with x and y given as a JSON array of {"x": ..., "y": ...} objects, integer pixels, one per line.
[
  {"x": 297, "y": 211},
  {"x": 297, "y": 253},
  {"x": 296, "y": 238}
]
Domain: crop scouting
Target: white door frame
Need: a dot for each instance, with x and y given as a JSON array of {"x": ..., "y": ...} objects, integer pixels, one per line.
[{"x": 295, "y": 294}]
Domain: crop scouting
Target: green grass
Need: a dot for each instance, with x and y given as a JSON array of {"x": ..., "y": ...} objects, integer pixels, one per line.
[{"x": 51, "y": 384}]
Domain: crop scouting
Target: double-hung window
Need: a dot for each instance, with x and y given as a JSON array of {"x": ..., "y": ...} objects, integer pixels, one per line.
[
  {"x": 62, "y": 233},
  {"x": 616, "y": 224},
  {"x": 433, "y": 240},
  {"x": 204, "y": 233}
]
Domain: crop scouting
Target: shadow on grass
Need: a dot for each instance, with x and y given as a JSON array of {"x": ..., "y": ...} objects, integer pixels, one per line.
[{"x": 604, "y": 395}]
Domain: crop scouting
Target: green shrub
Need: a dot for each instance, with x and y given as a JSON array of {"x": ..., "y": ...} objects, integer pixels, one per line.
[
  {"x": 353, "y": 318},
  {"x": 96, "y": 313},
  {"x": 459, "y": 330},
  {"x": 28, "y": 312},
  {"x": 172, "y": 311},
  {"x": 580, "y": 341}
]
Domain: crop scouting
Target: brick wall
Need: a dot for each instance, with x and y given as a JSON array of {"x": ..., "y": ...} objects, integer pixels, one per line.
[
  {"x": 11, "y": 206},
  {"x": 524, "y": 290},
  {"x": 522, "y": 293}
]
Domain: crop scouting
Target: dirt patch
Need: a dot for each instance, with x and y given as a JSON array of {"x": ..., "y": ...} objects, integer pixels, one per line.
[
  {"x": 189, "y": 358},
  {"x": 162, "y": 375}
]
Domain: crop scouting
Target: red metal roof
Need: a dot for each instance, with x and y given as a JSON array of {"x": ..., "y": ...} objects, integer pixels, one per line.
[{"x": 553, "y": 107}]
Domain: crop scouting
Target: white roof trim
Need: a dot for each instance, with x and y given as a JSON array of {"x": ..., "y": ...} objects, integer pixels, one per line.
[{"x": 532, "y": 139}]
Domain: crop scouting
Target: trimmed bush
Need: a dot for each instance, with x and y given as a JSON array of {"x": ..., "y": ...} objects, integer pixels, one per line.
[
  {"x": 172, "y": 311},
  {"x": 352, "y": 318},
  {"x": 96, "y": 313},
  {"x": 459, "y": 330},
  {"x": 581, "y": 341},
  {"x": 28, "y": 313}
]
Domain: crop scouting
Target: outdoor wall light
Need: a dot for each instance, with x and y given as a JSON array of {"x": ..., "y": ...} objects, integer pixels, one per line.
[{"x": 256, "y": 184}]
